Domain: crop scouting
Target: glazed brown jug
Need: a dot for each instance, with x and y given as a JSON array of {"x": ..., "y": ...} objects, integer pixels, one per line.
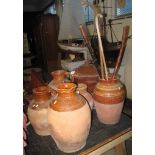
[
  {"x": 82, "y": 90},
  {"x": 37, "y": 110},
  {"x": 109, "y": 98},
  {"x": 69, "y": 119},
  {"x": 58, "y": 77}
]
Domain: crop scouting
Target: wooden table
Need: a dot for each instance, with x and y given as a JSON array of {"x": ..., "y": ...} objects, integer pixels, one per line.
[{"x": 101, "y": 138}]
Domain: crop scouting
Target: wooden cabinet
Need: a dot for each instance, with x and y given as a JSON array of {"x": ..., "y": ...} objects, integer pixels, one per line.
[{"x": 46, "y": 35}]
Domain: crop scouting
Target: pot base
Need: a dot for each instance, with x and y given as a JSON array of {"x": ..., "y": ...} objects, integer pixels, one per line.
[
  {"x": 42, "y": 133},
  {"x": 108, "y": 113},
  {"x": 70, "y": 149}
]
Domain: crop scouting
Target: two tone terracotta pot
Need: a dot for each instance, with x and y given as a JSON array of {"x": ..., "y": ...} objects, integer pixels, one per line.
[
  {"x": 37, "y": 110},
  {"x": 69, "y": 118},
  {"x": 109, "y": 96}
]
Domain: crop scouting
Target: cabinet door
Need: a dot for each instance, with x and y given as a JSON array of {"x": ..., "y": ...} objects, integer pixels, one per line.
[{"x": 46, "y": 37}]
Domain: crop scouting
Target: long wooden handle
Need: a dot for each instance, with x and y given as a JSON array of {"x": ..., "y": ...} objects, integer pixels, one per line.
[
  {"x": 88, "y": 44},
  {"x": 101, "y": 49},
  {"x": 84, "y": 34},
  {"x": 121, "y": 53}
]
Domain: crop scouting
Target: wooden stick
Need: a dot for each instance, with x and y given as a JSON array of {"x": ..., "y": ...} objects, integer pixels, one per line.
[
  {"x": 101, "y": 64},
  {"x": 88, "y": 44},
  {"x": 101, "y": 50},
  {"x": 124, "y": 41}
]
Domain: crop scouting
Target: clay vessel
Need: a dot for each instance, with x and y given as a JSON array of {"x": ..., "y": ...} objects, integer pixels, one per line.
[
  {"x": 58, "y": 77},
  {"x": 82, "y": 90},
  {"x": 69, "y": 119},
  {"x": 109, "y": 98},
  {"x": 87, "y": 74},
  {"x": 37, "y": 110}
]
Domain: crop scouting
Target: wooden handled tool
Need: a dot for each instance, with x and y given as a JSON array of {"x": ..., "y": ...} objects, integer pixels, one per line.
[
  {"x": 88, "y": 44},
  {"x": 121, "y": 53},
  {"x": 101, "y": 49}
]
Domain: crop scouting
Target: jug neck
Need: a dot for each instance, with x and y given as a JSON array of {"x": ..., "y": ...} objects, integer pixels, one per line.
[
  {"x": 58, "y": 75},
  {"x": 66, "y": 89},
  {"x": 41, "y": 93}
]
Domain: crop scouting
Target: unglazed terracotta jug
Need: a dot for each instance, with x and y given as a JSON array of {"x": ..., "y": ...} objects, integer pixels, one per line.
[
  {"x": 58, "y": 77},
  {"x": 69, "y": 118},
  {"x": 109, "y": 98},
  {"x": 37, "y": 110},
  {"x": 82, "y": 90}
]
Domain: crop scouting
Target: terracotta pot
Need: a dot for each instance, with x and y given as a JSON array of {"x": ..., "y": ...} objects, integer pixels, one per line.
[
  {"x": 69, "y": 119},
  {"x": 58, "y": 77},
  {"x": 82, "y": 90},
  {"x": 109, "y": 98},
  {"x": 37, "y": 110},
  {"x": 87, "y": 74}
]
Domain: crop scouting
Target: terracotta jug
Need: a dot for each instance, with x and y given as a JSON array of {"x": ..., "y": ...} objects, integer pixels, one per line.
[
  {"x": 69, "y": 119},
  {"x": 109, "y": 98},
  {"x": 37, "y": 110},
  {"x": 82, "y": 90},
  {"x": 58, "y": 77}
]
